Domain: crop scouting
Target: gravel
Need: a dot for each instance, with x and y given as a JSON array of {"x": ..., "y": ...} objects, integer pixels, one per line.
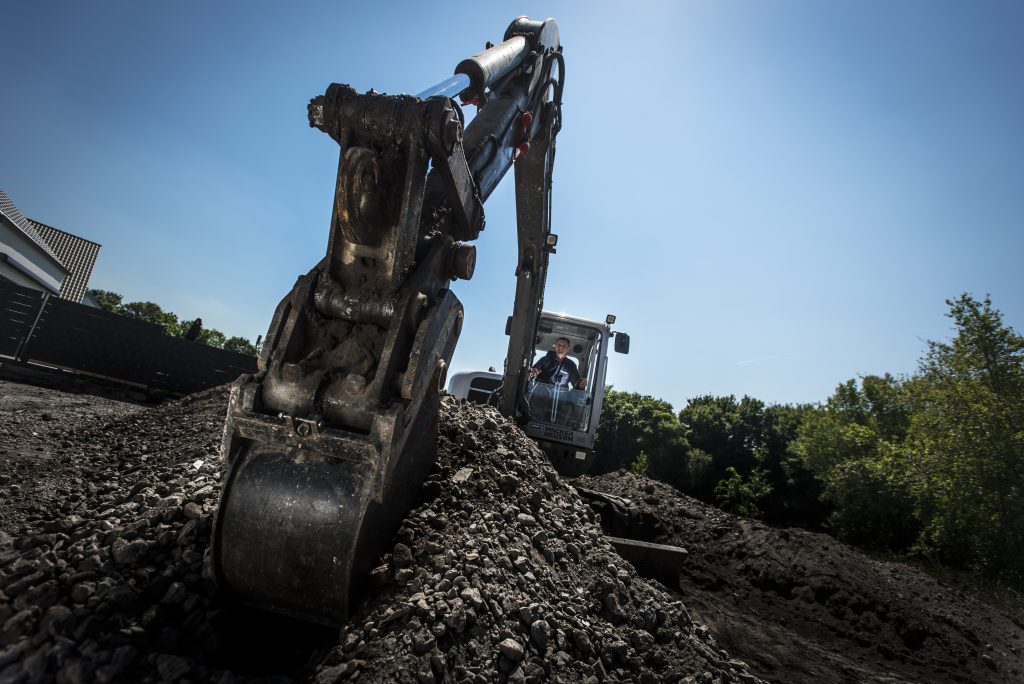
[{"x": 501, "y": 572}]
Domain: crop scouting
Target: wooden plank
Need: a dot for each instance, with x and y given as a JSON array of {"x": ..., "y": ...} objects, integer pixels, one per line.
[{"x": 657, "y": 561}]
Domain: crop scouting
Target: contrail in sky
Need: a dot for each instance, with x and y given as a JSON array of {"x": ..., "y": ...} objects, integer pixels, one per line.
[{"x": 815, "y": 350}]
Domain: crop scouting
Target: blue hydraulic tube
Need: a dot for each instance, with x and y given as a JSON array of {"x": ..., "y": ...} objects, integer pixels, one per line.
[{"x": 449, "y": 87}]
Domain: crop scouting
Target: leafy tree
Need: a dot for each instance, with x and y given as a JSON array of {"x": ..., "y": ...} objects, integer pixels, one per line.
[
  {"x": 734, "y": 434},
  {"x": 729, "y": 430},
  {"x": 152, "y": 313},
  {"x": 111, "y": 301},
  {"x": 212, "y": 337},
  {"x": 795, "y": 496},
  {"x": 699, "y": 475},
  {"x": 964, "y": 460},
  {"x": 240, "y": 345},
  {"x": 740, "y": 495},
  {"x": 640, "y": 464},
  {"x": 631, "y": 423},
  {"x": 849, "y": 445}
]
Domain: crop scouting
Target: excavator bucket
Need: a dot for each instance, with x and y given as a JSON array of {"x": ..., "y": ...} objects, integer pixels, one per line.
[
  {"x": 307, "y": 509},
  {"x": 303, "y": 518}
]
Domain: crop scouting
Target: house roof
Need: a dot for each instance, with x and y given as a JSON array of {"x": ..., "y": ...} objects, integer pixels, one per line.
[
  {"x": 76, "y": 253},
  {"x": 12, "y": 214}
]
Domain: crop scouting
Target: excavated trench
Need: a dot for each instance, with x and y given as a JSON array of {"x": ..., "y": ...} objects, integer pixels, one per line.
[{"x": 499, "y": 573}]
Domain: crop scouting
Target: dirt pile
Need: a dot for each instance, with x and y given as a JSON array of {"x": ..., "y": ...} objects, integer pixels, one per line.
[
  {"x": 799, "y": 606},
  {"x": 501, "y": 572}
]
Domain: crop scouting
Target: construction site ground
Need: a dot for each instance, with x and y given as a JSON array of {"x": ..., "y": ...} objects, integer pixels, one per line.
[{"x": 500, "y": 573}]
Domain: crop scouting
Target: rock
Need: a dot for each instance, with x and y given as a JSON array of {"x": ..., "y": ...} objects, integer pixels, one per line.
[
  {"x": 174, "y": 595},
  {"x": 456, "y": 617},
  {"x": 122, "y": 598},
  {"x": 128, "y": 553},
  {"x": 75, "y": 671},
  {"x": 14, "y": 652},
  {"x": 189, "y": 532},
  {"x": 192, "y": 510},
  {"x": 540, "y": 634},
  {"x": 18, "y": 588},
  {"x": 423, "y": 641},
  {"x": 471, "y": 595},
  {"x": 20, "y": 624},
  {"x": 512, "y": 649},
  {"x": 34, "y": 666},
  {"x": 582, "y": 641},
  {"x": 53, "y": 619},
  {"x": 330, "y": 675},
  {"x": 401, "y": 556},
  {"x": 508, "y": 483},
  {"x": 500, "y": 571},
  {"x": 172, "y": 668},
  {"x": 81, "y": 592}
]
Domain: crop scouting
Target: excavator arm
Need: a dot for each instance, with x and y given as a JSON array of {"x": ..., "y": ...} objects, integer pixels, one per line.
[
  {"x": 327, "y": 445},
  {"x": 536, "y": 243}
]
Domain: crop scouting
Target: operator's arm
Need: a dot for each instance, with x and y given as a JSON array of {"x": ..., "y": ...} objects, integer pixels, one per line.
[
  {"x": 575, "y": 380},
  {"x": 538, "y": 367}
]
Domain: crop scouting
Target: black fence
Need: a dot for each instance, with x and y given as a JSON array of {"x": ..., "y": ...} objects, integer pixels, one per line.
[{"x": 37, "y": 327}]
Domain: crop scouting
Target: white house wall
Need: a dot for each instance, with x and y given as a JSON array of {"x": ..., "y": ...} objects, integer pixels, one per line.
[{"x": 23, "y": 262}]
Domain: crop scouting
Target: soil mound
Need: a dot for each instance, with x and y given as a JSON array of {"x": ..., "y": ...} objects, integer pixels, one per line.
[
  {"x": 500, "y": 573},
  {"x": 800, "y": 606}
]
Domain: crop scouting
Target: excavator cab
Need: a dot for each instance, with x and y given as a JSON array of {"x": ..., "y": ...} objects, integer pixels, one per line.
[{"x": 561, "y": 415}]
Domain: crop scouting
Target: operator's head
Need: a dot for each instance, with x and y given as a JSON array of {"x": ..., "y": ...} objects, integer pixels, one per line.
[{"x": 561, "y": 347}]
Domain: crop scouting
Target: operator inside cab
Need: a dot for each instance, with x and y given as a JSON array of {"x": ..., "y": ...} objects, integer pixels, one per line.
[{"x": 555, "y": 368}]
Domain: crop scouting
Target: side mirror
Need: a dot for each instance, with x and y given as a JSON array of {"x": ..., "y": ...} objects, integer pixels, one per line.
[{"x": 621, "y": 343}]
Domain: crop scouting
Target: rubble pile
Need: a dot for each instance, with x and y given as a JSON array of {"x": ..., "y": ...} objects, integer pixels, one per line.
[
  {"x": 500, "y": 573},
  {"x": 503, "y": 572}
]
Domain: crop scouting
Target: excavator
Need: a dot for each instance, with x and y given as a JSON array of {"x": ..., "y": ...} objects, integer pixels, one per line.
[
  {"x": 327, "y": 445},
  {"x": 561, "y": 418}
]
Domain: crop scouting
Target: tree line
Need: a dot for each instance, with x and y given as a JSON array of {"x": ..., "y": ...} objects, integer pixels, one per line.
[
  {"x": 169, "y": 321},
  {"x": 930, "y": 465}
]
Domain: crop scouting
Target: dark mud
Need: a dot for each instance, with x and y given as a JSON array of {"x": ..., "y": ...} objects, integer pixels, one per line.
[{"x": 799, "y": 606}]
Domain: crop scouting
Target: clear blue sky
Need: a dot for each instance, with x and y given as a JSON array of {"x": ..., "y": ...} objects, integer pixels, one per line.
[{"x": 773, "y": 197}]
